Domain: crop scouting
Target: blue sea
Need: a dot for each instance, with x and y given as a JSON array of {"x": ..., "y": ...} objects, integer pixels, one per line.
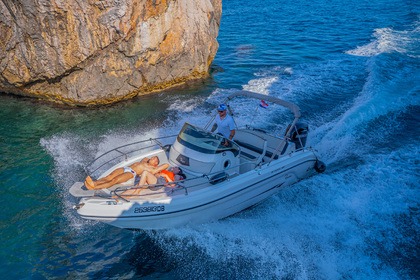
[{"x": 353, "y": 67}]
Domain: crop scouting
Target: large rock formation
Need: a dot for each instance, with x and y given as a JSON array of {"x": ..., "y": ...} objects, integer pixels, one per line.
[{"x": 100, "y": 51}]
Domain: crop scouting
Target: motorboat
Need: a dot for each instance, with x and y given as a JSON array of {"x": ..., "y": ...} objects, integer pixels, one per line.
[{"x": 221, "y": 179}]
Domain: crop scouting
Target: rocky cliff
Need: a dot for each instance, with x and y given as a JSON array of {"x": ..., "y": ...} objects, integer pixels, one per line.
[{"x": 87, "y": 52}]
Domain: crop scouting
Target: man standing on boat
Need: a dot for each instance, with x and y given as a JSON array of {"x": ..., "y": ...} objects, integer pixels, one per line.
[{"x": 224, "y": 124}]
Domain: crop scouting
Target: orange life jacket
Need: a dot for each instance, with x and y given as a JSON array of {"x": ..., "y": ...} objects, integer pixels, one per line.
[{"x": 170, "y": 174}]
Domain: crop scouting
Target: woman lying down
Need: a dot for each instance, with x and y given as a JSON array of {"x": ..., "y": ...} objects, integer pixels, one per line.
[{"x": 164, "y": 178}]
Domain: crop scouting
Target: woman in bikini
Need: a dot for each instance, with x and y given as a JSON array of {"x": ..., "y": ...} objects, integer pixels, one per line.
[
  {"x": 123, "y": 174},
  {"x": 162, "y": 178}
]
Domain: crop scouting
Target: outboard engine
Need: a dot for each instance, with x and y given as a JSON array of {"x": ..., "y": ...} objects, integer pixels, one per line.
[{"x": 299, "y": 134}]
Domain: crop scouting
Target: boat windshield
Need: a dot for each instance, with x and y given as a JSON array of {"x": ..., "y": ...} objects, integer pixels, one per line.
[{"x": 203, "y": 141}]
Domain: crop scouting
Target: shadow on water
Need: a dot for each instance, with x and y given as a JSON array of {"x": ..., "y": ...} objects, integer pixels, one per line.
[
  {"x": 99, "y": 251},
  {"x": 145, "y": 258},
  {"x": 159, "y": 254}
]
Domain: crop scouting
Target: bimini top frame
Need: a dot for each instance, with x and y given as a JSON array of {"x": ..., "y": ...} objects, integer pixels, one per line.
[{"x": 292, "y": 107}]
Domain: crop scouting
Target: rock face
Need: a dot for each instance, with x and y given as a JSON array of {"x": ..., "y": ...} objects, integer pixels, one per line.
[{"x": 85, "y": 52}]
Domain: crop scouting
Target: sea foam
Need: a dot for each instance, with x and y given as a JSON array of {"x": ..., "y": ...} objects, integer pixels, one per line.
[{"x": 388, "y": 40}]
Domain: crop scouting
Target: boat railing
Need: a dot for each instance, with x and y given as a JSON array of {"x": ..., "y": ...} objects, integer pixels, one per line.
[
  {"x": 181, "y": 185},
  {"x": 124, "y": 152}
]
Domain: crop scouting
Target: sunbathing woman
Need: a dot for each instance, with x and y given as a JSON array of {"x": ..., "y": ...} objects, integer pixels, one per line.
[
  {"x": 162, "y": 178},
  {"x": 123, "y": 174}
]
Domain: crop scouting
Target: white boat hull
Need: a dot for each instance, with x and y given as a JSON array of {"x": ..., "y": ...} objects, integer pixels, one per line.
[{"x": 204, "y": 205}]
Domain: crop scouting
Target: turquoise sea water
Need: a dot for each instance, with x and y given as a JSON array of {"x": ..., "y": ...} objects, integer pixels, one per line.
[{"x": 354, "y": 69}]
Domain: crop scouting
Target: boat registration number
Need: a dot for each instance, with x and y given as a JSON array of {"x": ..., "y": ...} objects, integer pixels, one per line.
[{"x": 149, "y": 209}]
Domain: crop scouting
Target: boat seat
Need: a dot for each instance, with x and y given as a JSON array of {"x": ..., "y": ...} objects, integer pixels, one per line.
[
  {"x": 253, "y": 148},
  {"x": 252, "y": 152},
  {"x": 248, "y": 155},
  {"x": 160, "y": 154}
]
